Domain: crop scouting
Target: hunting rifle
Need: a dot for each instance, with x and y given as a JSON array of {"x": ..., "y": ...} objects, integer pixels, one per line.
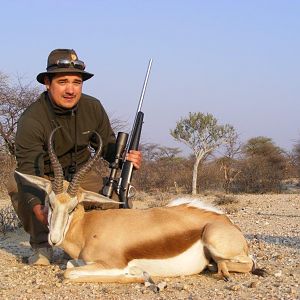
[{"x": 123, "y": 186}]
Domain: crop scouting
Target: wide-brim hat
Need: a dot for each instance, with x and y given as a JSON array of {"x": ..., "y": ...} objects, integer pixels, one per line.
[{"x": 64, "y": 61}]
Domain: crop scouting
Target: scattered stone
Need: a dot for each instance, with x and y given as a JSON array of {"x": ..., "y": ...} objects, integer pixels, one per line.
[
  {"x": 292, "y": 291},
  {"x": 254, "y": 284},
  {"x": 153, "y": 288},
  {"x": 235, "y": 287},
  {"x": 278, "y": 273},
  {"x": 279, "y": 256},
  {"x": 275, "y": 246},
  {"x": 179, "y": 286},
  {"x": 162, "y": 285}
]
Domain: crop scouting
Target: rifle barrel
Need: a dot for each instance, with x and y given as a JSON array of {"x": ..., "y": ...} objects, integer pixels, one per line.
[
  {"x": 144, "y": 86},
  {"x": 140, "y": 103}
]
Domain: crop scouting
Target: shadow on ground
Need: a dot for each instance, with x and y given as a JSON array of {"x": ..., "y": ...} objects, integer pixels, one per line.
[{"x": 287, "y": 241}]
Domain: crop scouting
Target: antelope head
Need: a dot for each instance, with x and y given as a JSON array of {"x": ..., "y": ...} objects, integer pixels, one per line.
[{"x": 63, "y": 197}]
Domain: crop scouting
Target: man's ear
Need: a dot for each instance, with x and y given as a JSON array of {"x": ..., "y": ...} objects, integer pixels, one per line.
[
  {"x": 47, "y": 82},
  {"x": 41, "y": 182}
]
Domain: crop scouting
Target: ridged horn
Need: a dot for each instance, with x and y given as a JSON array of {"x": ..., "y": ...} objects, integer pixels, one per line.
[
  {"x": 78, "y": 177},
  {"x": 57, "y": 184}
]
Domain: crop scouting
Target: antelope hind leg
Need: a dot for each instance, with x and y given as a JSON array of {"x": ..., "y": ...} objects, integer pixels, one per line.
[
  {"x": 226, "y": 266},
  {"x": 94, "y": 272},
  {"x": 228, "y": 248}
]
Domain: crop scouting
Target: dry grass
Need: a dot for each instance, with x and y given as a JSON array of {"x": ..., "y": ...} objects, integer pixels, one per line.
[{"x": 224, "y": 200}]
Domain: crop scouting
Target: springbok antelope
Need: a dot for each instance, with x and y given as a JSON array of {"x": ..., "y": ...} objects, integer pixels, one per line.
[{"x": 122, "y": 245}]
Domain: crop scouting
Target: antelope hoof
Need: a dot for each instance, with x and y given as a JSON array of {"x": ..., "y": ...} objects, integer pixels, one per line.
[
  {"x": 73, "y": 263},
  {"x": 226, "y": 278}
]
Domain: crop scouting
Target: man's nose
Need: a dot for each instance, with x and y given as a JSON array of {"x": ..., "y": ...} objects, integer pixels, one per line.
[{"x": 70, "y": 88}]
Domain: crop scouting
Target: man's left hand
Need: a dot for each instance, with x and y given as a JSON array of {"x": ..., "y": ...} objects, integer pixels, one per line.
[{"x": 135, "y": 157}]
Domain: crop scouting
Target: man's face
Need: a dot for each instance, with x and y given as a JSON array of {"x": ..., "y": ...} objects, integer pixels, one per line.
[{"x": 65, "y": 89}]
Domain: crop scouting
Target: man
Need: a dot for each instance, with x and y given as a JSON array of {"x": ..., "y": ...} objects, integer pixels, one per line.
[{"x": 62, "y": 104}]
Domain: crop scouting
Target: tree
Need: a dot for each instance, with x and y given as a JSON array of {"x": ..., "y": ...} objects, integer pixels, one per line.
[
  {"x": 160, "y": 165},
  {"x": 227, "y": 162},
  {"x": 261, "y": 146},
  {"x": 154, "y": 152},
  {"x": 263, "y": 167},
  {"x": 296, "y": 157},
  {"x": 14, "y": 99},
  {"x": 202, "y": 133}
]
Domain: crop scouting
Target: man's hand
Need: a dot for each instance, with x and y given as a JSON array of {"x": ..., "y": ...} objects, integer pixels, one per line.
[
  {"x": 135, "y": 157},
  {"x": 41, "y": 213}
]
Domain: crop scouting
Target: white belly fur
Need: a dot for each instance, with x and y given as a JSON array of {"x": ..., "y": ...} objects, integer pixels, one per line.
[{"x": 192, "y": 261}]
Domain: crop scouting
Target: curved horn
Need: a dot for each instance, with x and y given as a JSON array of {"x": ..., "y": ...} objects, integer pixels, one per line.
[
  {"x": 75, "y": 183},
  {"x": 57, "y": 184}
]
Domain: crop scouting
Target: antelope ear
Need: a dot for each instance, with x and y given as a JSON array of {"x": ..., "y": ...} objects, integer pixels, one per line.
[
  {"x": 87, "y": 196},
  {"x": 41, "y": 182}
]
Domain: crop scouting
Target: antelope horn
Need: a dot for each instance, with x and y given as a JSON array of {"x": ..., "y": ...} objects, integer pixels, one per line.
[
  {"x": 57, "y": 184},
  {"x": 75, "y": 183}
]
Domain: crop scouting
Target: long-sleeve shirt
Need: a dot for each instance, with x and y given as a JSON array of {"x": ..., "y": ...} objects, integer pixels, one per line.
[{"x": 70, "y": 144}]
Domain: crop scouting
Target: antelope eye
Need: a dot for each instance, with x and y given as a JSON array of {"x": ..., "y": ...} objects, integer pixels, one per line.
[{"x": 71, "y": 210}]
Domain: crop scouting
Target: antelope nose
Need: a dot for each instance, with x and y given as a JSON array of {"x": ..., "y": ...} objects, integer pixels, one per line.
[{"x": 54, "y": 239}]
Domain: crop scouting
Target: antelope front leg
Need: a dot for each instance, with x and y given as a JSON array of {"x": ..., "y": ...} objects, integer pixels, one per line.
[{"x": 95, "y": 272}]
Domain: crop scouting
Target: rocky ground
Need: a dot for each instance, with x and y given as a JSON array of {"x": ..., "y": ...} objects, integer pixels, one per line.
[{"x": 271, "y": 224}]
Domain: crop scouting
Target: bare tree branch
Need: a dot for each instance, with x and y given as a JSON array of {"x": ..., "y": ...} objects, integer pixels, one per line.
[{"x": 14, "y": 99}]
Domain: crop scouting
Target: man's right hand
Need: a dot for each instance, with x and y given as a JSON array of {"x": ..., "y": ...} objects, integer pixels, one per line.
[{"x": 40, "y": 213}]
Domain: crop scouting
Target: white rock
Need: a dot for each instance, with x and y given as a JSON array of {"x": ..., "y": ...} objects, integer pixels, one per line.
[{"x": 278, "y": 274}]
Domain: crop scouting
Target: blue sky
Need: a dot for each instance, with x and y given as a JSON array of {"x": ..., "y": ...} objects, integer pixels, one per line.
[{"x": 238, "y": 60}]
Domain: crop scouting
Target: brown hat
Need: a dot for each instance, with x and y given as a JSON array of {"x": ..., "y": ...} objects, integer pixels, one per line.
[{"x": 64, "y": 61}]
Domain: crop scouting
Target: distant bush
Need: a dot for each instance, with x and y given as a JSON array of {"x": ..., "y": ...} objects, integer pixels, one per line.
[
  {"x": 222, "y": 200},
  {"x": 165, "y": 175},
  {"x": 211, "y": 177},
  {"x": 262, "y": 168},
  {"x": 296, "y": 158}
]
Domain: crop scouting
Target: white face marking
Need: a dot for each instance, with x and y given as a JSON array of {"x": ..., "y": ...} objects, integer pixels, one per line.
[{"x": 59, "y": 220}]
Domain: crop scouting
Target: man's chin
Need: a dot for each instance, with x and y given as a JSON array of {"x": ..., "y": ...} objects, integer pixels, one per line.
[{"x": 68, "y": 104}]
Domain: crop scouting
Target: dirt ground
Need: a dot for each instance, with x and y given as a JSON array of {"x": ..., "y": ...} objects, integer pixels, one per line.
[{"x": 271, "y": 224}]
